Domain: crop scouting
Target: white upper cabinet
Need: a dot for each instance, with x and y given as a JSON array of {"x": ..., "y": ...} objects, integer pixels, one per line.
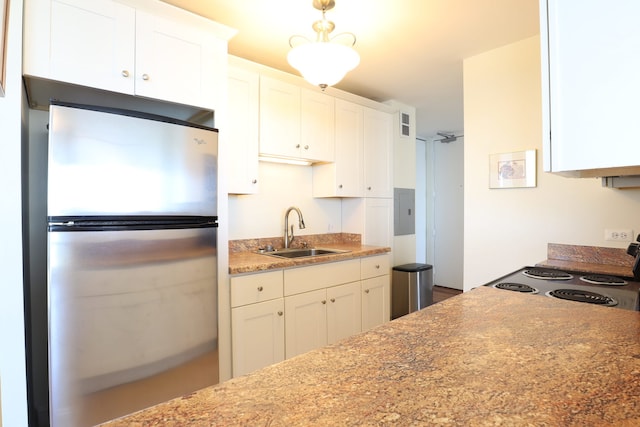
[
  {"x": 295, "y": 123},
  {"x": 378, "y": 153},
  {"x": 241, "y": 131},
  {"x": 177, "y": 62},
  {"x": 343, "y": 177},
  {"x": 89, "y": 43},
  {"x": 134, "y": 47},
  {"x": 279, "y": 118},
  {"x": 317, "y": 124},
  {"x": 590, "y": 69}
]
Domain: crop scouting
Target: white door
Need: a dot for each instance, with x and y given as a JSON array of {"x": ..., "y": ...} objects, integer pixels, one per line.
[
  {"x": 241, "y": 131},
  {"x": 378, "y": 155},
  {"x": 349, "y": 148},
  {"x": 343, "y": 311},
  {"x": 317, "y": 126},
  {"x": 279, "y": 118},
  {"x": 177, "y": 63},
  {"x": 305, "y": 322},
  {"x": 448, "y": 211},
  {"x": 93, "y": 44},
  {"x": 378, "y": 229},
  {"x": 375, "y": 301},
  {"x": 257, "y": 335}
]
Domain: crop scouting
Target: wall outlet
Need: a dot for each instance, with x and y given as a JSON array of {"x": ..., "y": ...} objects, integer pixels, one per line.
[{"x": 618, "y": 234}]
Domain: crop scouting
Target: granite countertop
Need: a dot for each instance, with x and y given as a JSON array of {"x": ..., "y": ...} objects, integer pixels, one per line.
[
  {"x": 485, "y": 357},
  {"x": 251, "y": 261}
]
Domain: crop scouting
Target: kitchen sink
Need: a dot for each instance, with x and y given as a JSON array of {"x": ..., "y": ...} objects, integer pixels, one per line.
[{"x": 301, "y": 253}]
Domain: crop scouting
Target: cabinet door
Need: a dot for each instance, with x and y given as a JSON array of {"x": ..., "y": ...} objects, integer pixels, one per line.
[
  {"x": 343, "y": 177},
  {"x": 257, "y": 335},
  {"x": 279, "y": 118},
  {"x": 178, "y": 63},
  {"x": 592, "y": 69},
  {"x": 91, "y": 44},
  {"x": 378, "y": 133},
  {"x": 343, "y": 311},
  {"x": 378, "y": 222},
  {"x": 306, "y": 322},
  {"x": 349, "y": 145},
  {"x": 375, "y": 301},
  {"x": 316, "y": 126},
  {"x": 242, "y": 131}
]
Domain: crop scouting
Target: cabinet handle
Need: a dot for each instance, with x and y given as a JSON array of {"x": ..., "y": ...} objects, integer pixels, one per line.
[
  {"x": 280, "y": 313},
  {"x": 333, "y": 300},
  {"x": 366, "y": 291},
  {"x": 260, "y": 288},
  {"x": 340, "y": 186},
  {"x": 324, "y": 301},
  {"x": 145, "y": 77},
  {"x": 125, "y": 73},
  {"x": 255, "y": 181},
  {"x": 297, "y": 145},
  {"x": 368, "y": 188},
  {"x": 306, "y": 147},
  {"x": 378, "y": 266}
]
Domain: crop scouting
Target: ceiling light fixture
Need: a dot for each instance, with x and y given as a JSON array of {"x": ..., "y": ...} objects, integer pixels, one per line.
[{"x": 325, "y": 61}]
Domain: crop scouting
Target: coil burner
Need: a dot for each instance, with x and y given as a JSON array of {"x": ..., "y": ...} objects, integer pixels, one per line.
[
  {"x": 547, "y": 274},
  {"x": 516, "y": 287},
  {"x": 582, "y": 296},
  {"x": 600, "y": 279}
]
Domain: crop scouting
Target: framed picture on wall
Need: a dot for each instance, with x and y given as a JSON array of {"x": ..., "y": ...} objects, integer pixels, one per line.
[
  {"x": 4, "y": 23},
  {"x": 512, "y": 170}
]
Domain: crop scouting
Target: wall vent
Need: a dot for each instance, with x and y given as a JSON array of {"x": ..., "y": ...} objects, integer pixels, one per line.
[{"x": 405, "y": 125}]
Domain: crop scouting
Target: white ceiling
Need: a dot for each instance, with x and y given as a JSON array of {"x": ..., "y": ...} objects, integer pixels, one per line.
[{"x": 410, "y": 50}]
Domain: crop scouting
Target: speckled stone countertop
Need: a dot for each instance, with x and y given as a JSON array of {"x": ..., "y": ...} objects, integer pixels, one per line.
[
  {"x": 482, "y": 358},
  {"x": 589, "y": 259},
  {"x": 243, "y": 256}
]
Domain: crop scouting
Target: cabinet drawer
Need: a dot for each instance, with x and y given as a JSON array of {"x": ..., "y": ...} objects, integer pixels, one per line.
[
  {"x": 374, "y": 266},
  {"x": 305, "y": 279},
  {"x": 254, "y": 288}
]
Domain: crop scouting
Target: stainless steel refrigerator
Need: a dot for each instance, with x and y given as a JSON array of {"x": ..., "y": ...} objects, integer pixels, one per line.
[{"x": 132, "y": 275}]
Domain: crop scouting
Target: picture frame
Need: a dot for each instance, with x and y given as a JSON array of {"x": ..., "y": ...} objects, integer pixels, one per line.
[
  {"x": 513, "y": 170},
  {"x": 4, "y": 24}
]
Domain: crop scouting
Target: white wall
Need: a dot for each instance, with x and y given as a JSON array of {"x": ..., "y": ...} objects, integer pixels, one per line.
[
  {"x": 282, "y": 186},
  {"x": 404, "y": 175},
  {"x": 13, "y": 397},
  {"x": 506, "y": 229}
]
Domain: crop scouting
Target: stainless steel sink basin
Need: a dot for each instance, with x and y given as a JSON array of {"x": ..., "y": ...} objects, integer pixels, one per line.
[{"x": 301, "y": 253}]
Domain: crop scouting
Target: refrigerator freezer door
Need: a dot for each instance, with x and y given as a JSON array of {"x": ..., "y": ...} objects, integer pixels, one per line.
[
  {"x": 132, "y": 317},
  {"x": 101, "y": 163}
]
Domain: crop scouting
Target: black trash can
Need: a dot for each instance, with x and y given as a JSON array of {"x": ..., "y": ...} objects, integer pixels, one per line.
[{"x": 411, "y": 288}]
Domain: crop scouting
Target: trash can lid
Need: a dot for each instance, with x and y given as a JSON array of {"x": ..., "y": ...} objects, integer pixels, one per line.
[{"x": 413, "y": 267}]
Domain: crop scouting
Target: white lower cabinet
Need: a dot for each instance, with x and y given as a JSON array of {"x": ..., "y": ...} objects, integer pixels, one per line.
[
  {"x": 376, "y": 291},
  {"x": 375, "y": 301},
  {"x": 257, "y": 336},
  {"x": 344, "y": 306},
  {"x": 257, "y": 321},
  {"x": 282, "y": 313},
  {"x": 306, "y": 322},
  {"x": 321, "y": 317}
]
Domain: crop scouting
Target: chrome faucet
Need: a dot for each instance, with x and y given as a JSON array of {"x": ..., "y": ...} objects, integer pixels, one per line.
[{"x": 289, "y": 238}]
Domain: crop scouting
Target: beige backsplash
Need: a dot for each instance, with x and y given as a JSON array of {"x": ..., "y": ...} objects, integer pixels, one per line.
[{"x": 590, "y": 259}]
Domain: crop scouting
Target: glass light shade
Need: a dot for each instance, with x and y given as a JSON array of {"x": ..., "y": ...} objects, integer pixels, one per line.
[{"x": 323, "y": 63}]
